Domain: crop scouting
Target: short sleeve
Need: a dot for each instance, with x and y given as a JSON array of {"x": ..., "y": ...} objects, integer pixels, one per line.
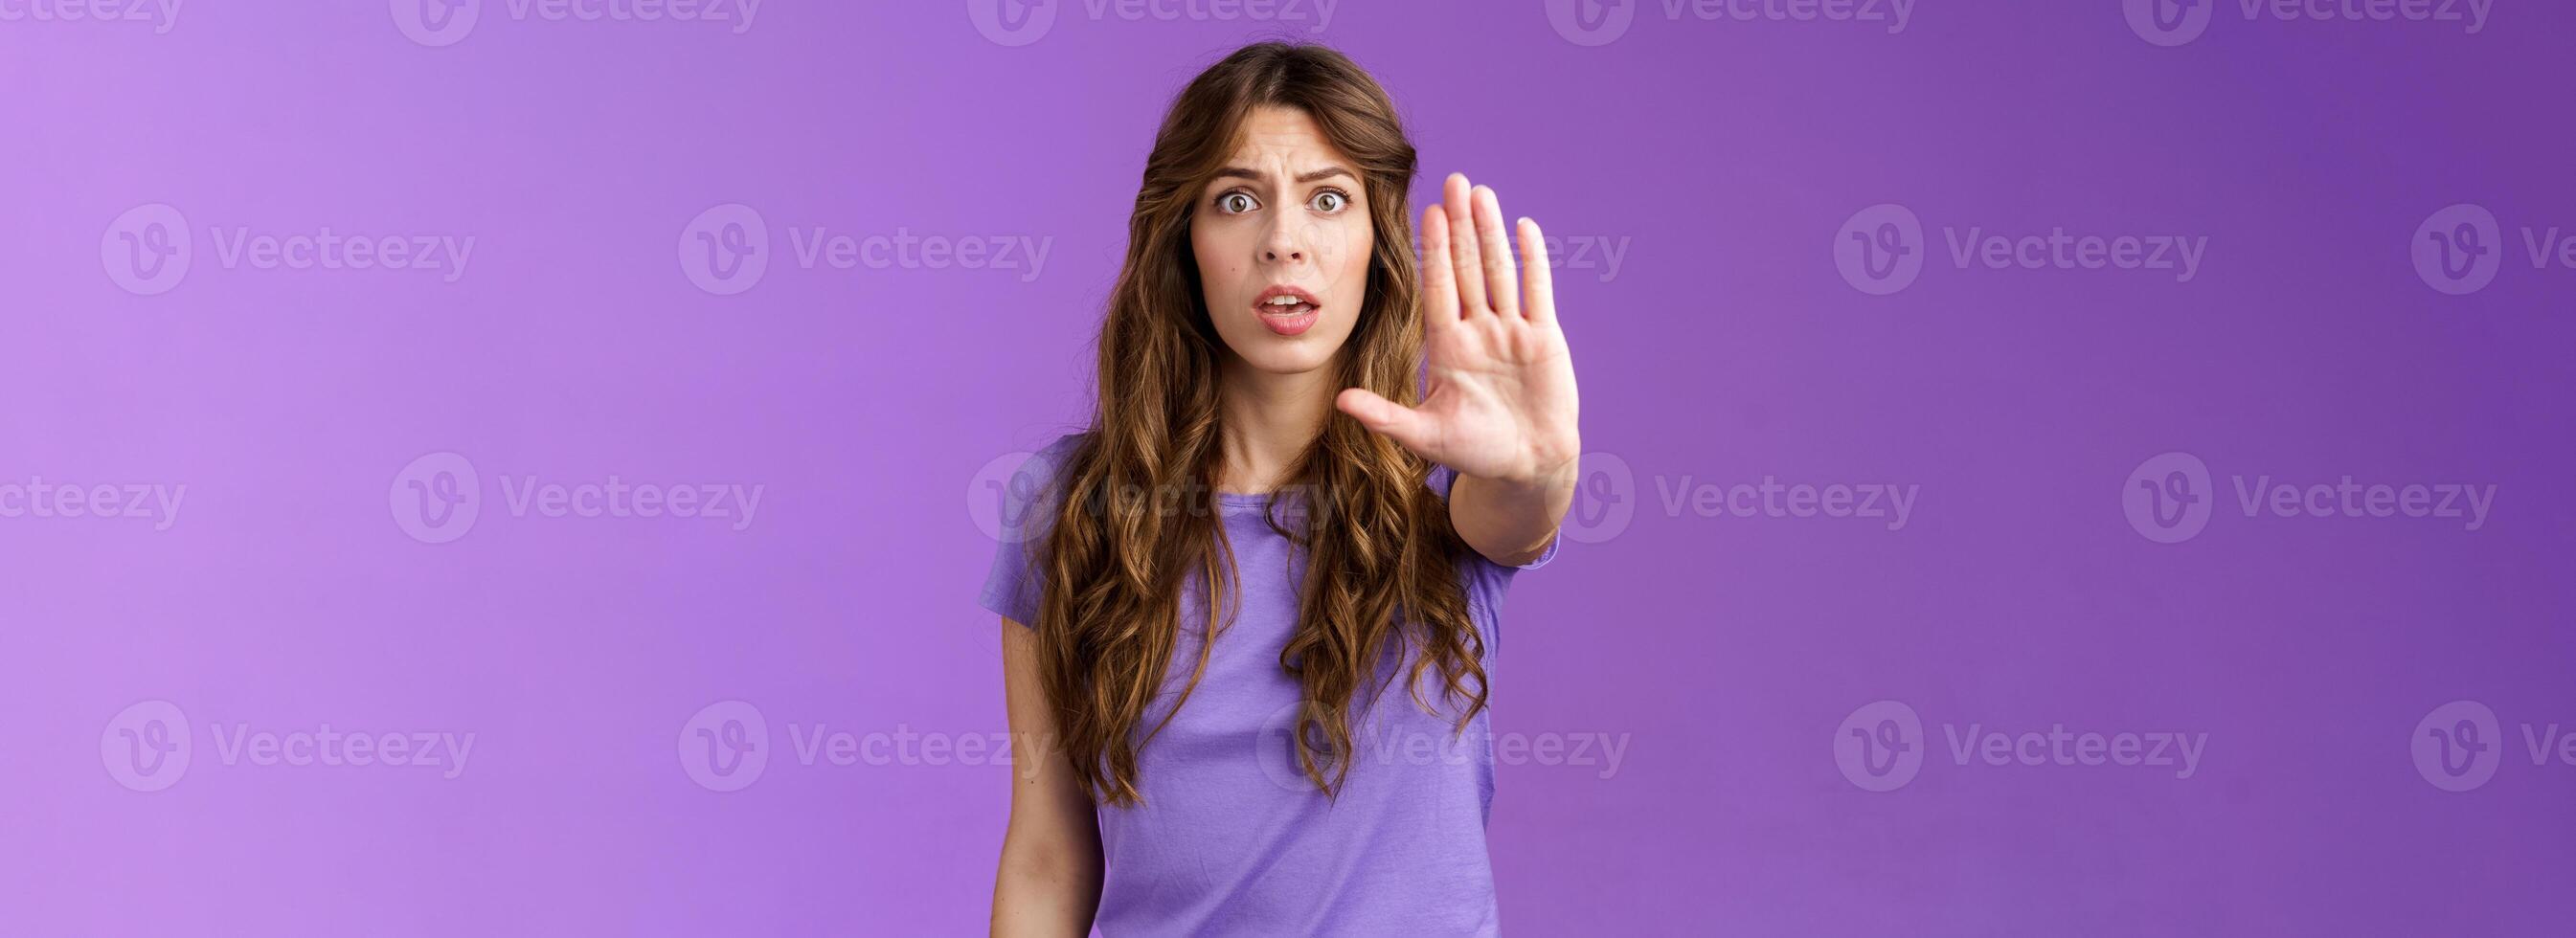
[
  {"x": 1443, "y": 477},
  {"x": 1027, "y": 501}
]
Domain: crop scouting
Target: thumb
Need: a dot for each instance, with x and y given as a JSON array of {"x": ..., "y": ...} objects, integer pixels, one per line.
[{"x": 1408, "y": 427}]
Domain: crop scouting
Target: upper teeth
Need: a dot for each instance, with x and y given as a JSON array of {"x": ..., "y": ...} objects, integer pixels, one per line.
[{"x": 1285, "y": 301}]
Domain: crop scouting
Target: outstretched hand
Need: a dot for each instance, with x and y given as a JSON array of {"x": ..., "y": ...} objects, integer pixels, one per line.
[{"x": 1500, "y": 401}]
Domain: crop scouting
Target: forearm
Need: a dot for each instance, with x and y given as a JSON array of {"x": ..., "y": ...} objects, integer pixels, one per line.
[
  {"x": 1044, "y": 893},
  {"x": 1511, "y": 521}
]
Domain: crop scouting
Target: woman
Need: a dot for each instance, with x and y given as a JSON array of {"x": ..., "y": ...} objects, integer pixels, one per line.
[{"x": 1261, "y": 468}]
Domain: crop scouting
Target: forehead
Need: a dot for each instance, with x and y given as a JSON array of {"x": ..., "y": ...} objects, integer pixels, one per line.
[{"x": 1282, "y": 139}]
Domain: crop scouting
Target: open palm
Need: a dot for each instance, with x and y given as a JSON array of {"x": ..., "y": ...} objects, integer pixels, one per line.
[{"x": 1500, "y": 401}]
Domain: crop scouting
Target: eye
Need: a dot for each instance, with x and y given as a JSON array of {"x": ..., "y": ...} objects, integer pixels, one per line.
[
  {"x": 1236, "y": 202},
  {"x": 1330, "y": 200}
]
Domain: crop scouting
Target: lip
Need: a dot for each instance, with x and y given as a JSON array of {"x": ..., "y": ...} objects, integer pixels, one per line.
[
  {"x": 1281, "y": 289},
  {"x": 1287, "y": 323}
]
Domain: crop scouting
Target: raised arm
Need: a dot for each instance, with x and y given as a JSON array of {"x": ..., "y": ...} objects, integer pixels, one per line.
[{"x": 1500, "y": 406}]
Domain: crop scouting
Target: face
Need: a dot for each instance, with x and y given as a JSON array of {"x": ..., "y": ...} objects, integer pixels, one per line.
[{"x": 1283, "y": 240}]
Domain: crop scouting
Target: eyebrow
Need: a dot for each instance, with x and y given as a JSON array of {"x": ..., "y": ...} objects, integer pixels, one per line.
[{"x": 1237, "y": 172}]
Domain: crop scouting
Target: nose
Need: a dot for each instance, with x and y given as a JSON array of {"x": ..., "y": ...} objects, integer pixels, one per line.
[{"x": 1283, "y": 244}]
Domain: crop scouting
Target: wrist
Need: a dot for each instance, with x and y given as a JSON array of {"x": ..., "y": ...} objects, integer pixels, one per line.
[{"x": 1561, "y": 475}]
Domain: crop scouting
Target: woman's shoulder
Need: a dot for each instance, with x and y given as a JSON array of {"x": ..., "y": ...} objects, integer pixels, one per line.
[
  {"x": 1069, "y": 441},
  {"x": 1048, "y": 464},
  {"x": 1031, "y": 490},
  {"x": 1062, "y": 448}
]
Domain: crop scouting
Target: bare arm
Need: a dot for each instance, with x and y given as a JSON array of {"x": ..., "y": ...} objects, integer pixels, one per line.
[
  {"x": 1500, "y": 406},
  {"x": 1049, "y": 882},
  {"x": 1510, "y": 522}
]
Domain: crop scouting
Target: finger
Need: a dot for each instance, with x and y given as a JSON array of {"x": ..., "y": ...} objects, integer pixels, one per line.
[
  {"x": 1408, "y": 427},
  {"x": 1463, "y": 249},
  {"x": 1439, "y": 281},
  {"x": 1501, "y": 290},
  {"x": 1538, "y": 287}
]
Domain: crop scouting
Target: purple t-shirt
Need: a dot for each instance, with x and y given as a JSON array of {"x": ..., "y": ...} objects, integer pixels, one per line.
[{"x": 1232, "y": 838}]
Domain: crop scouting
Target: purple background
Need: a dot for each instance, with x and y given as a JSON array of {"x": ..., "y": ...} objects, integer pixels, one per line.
[{"x": 1724, "y": 154}]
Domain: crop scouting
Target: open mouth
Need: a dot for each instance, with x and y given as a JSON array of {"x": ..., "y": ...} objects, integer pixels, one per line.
[{"x": 1287, "y": 310}]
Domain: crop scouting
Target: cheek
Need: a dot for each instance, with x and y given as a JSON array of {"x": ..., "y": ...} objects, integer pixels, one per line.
[
  {"x": 1358, "y": 245},
  {"x": 1220, "y": 267}
]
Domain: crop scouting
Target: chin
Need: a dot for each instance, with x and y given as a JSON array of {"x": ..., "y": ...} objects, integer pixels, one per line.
[
  {"x": 1267, "y": 352},
  {"x": 1287, "y": 360}
]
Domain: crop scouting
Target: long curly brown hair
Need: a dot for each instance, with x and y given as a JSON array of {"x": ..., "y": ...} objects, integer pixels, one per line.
[{"x": 1380, "y": 553}]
